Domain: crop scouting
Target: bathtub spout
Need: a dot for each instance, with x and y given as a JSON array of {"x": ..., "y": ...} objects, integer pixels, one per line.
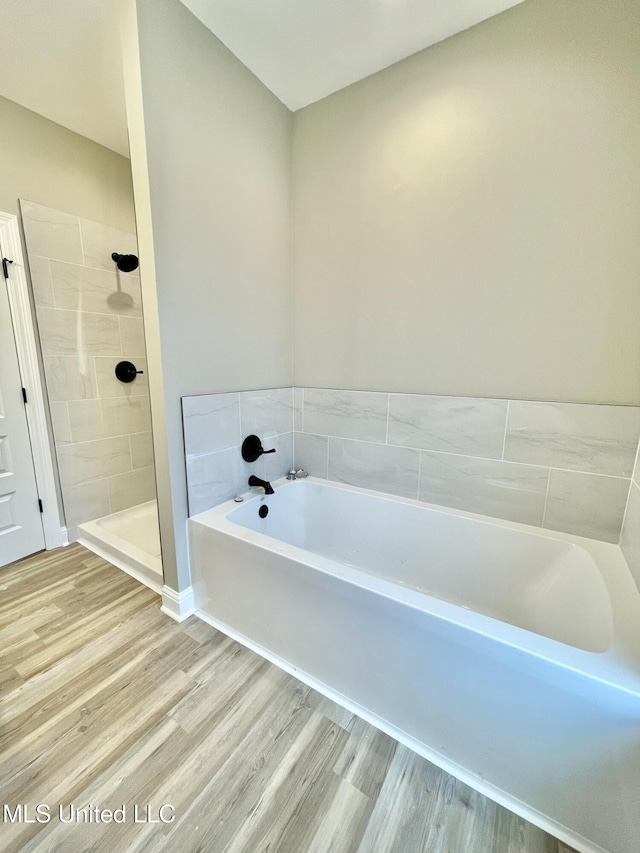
[{"x": 256, "y": 481}]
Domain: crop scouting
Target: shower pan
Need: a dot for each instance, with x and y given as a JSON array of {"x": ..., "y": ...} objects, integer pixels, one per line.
[{"x": 129, "y": 539}]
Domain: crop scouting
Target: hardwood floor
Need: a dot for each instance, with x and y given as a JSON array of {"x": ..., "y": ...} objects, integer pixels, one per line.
[{"x": 106, "y": 702}]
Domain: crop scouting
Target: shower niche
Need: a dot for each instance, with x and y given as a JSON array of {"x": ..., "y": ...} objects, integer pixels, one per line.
[{"x": 88, "y": 305}]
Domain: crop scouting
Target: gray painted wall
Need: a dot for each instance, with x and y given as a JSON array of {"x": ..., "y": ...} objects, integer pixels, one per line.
[
  {"x": 218, "y": 146},
  {"x": 51, "y": 165},
  {"x": 466, "y": 221}
]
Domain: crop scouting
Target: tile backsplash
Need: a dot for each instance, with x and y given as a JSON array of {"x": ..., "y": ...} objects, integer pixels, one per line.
[
  {"x": 89, "y": 318},
  {"x": 215, "y": 426},
  {"x": 563, "y": 466},
  {"x": 448, "y": 424}
]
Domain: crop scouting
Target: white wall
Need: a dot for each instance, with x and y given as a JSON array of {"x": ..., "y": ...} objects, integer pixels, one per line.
[
  {"x": 218, "y": 146},
  {"x": 467, "y": 221},
  {"x": 44, "y": 162}
]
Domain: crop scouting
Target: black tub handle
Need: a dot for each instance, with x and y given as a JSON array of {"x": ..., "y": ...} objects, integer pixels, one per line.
[{"x": 252, "y": 448}]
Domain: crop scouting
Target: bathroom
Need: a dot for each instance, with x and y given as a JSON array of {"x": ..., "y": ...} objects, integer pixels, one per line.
[{"x": 423, "y": 284}]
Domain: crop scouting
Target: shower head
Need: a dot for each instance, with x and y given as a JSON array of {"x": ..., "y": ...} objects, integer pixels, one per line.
[
  {"x": 125, "y": 263},
  {"x": 120, "y": 300}
]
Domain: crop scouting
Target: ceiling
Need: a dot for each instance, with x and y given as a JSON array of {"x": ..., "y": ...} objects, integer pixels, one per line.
[
  {"x": 62, "y": 59},
  {"x": 304, "y": 50}
]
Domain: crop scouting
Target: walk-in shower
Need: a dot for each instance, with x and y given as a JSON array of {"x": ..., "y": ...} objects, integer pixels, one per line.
[{"x": 90, "y": 323}]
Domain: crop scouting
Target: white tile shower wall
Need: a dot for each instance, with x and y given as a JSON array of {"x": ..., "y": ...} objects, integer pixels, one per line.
[
  {"x": 89, "y": 318},
  {"x": 563, "y": 466},
  {"x": 215, "y": 426}
]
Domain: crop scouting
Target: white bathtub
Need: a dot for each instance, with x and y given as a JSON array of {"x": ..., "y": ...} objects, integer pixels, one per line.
[
  {"x": 569, "y": 600},
  {"x": 448, "y": 630}
]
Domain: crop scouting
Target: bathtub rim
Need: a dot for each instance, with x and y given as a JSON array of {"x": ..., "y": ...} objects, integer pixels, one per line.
[{"x": 617, "y": 667}]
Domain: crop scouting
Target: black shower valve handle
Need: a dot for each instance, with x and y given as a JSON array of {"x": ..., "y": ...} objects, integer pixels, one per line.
[
  {"x": 126, "y": 371},
  {"x": 252, "y": 449}
]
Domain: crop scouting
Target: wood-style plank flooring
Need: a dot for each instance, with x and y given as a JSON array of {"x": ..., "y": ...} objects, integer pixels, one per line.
[{"x": 106, "y": 702}]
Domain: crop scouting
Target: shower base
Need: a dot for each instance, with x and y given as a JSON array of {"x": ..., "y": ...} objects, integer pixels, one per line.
[{"x": 130, "y": 540}]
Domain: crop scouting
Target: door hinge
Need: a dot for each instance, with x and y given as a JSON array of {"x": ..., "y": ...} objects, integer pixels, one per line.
[
  {"x": 5, "y": 268},
  {"x": 40, "y": 504},
  {"x": 24, "y": 396}
]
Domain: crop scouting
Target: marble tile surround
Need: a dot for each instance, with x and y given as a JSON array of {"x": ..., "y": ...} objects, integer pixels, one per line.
[
  {"x": 89, "y": 318},
  {"x": 215, "y": 426},
  {"x": 563, "y": 466}
]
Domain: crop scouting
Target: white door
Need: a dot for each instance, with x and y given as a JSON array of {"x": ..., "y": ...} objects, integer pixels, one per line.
[{"x": 21, "y": 530}]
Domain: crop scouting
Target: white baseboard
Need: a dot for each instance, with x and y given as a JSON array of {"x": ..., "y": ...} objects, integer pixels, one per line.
[
  {"x": 178, "y": 605},
  {"x": 59, "y": 541}
]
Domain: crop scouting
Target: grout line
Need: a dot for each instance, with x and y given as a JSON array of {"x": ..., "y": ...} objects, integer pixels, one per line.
[
  {"x": 386, "y": 437},
  {"x": 102, "y": 421},
  {"x": 114, "y": 314},
  {"x": 546, "y": 498},
  {"x": 575, "y": 471},
  {"x": 81, "y": 242},
  {"x": 239, "y": 433},
  {"x": 480, "y": 399},
  {"x": 471, "y": 456},
  {"x": 482, "y": 458},
  {"x": 506, "y": 426},
  {"x": 635, "y": 464},
  {"x": 632, "y": 483},
  {"x": 111, "y": 510},
  {"x": 68, "y": 424},
  {"x": 326, "y": 473},
  {"x": 100, "y": 440},
  {"x": 85, "y": 265},
  {"x": 94, "y": 367},
  {"x": 53, "y": 292},
  {"x": 292, "y": 276}
]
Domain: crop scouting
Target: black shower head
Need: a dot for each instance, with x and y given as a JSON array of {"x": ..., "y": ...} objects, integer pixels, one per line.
[{"x": 125, "y": 263}]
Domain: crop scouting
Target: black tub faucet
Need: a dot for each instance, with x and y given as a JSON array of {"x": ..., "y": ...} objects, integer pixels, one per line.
[{"x": 256, "y": 481}]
